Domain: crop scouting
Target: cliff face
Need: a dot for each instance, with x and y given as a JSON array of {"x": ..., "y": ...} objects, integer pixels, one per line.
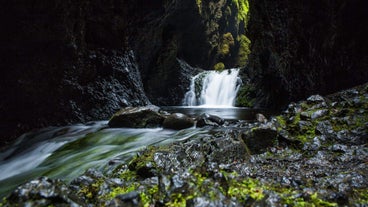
[
  {"x": 74, "y": 61},
  {"x": 306, "y": 47},
  {"x": 64, "y": 61}
]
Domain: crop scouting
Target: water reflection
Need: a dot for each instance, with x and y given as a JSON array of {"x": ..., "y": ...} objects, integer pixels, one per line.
[{"x": 227, "y": 113}]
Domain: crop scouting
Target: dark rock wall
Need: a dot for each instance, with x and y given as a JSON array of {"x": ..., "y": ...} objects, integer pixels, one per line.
[
  {"x": 173, "y": 31},
  {"x": 64, "y": 61},
  {"x": 305, "y": 47}
]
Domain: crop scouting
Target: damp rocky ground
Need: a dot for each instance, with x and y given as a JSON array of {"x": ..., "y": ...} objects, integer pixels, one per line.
[{"x": 314, "y": 154}]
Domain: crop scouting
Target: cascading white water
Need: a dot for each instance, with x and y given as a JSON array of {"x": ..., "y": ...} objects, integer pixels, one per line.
[{"x": 213, "y": 89}]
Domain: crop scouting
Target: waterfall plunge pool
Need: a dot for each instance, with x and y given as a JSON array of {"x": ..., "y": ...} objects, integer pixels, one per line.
[
  {"x": 225, "y": 112},
  {"x": 66, "y": 152},
  {"x": 214, "y": 92}
]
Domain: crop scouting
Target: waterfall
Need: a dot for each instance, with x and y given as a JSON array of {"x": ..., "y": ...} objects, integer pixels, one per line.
[{"x": 213, "y": 89}]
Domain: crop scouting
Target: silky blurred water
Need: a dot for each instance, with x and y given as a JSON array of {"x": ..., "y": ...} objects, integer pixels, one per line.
[{"x": 67, "y": 152}]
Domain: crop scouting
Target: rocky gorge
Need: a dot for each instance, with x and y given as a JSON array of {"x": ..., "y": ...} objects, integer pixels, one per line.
[
  {"x": 67, "y": 62},
  {"x": 313, "y": 154}
]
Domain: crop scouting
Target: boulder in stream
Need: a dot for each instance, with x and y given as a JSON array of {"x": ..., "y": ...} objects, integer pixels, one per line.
[
  {"x": 209, "y": 120},
  {"x": 178, "y": 121},
  {"x": 138, "y": 117}
]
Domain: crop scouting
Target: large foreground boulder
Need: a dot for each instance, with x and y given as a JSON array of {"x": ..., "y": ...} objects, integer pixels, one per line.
[
  {"x": 138, "y": 117},
  {"x": 260, "y": 138}
]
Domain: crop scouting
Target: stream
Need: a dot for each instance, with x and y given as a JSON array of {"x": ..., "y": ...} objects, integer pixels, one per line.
[{"x": 67, "y": 152}]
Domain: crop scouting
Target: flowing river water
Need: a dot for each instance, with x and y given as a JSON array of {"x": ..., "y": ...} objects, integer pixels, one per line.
[{"x": 67, "y": 152}]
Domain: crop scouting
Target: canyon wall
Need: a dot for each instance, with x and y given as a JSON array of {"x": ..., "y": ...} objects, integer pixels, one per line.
[
  {"x": 66, "y": 61},
  {"x": 306, "y": 47}
]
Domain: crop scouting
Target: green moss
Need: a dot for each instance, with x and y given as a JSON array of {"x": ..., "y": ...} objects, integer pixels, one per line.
[
  {"x": 143, "y": 160},
  {"x": 319, "y": 202},
  {"x": 180, "y": 199},
  {"x": 303, "y": 133},
  {"x": 355, "y": 121},
  {"x": 246, "y": 189},
  {"x": 195, "y": 188},
  {"x": 293, "y": 123},
  {"x": 121, "y": 190},
  {"x": 149, "y": 196},
  {"x": 227, "y": 42},
  {"x": 244, "y": 50},
  {"x": 219, "y": 66},
  {"x": 361, "y": 196},
  {"x": 198, "y": 181},
  {"x": 224, "y": 49},
  {"x": 177, "y": 200},
  {"x": 281, "y": 121},
  {"x": 291, "y": 197},
  {"x": 128, "y": 175},
  {"x": 245, "y": 96},
  {"x": 90, "y": 192},
  {"x": 304, "y": 105},
  {"x": 3, "y": 202},
  {"x": 199, "y": 5},
  {"x": 243, "y": 9}
]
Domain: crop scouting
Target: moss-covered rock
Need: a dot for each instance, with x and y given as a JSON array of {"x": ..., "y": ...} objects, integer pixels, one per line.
[
  {"x": 219, "y": 66},
  {"x": 227, "y": 42},
  {"x": 259, "y": 139},
  {"x": 244, "y": 50},
  {"x": 245, "y": 96}
]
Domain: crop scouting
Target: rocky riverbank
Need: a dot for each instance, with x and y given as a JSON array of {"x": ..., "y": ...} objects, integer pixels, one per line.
[{"x": 314, "y": 154}]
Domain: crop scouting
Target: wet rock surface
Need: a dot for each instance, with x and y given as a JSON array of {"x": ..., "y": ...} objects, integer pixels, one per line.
[
  {"x": 178, "y": 121},
  {"x": 138, "y": 117},
  {"x": 209, "y": 120},
  {"x": 297, "y": 160},
  {"x": 43, "y": 192}
]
